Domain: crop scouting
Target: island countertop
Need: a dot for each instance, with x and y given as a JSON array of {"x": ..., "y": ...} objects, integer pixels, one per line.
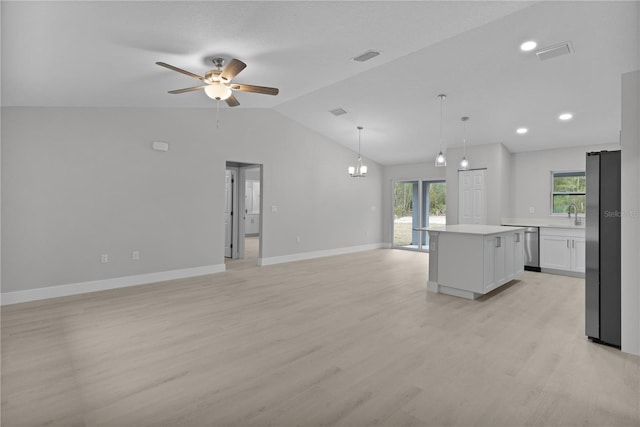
[{"x": 480, "y": 229}]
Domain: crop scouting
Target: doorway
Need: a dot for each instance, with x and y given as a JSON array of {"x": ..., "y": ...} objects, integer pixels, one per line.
[
  {"x": 419, "y": 203},
  {"x": 472, "y": 200},
  {"x": 243, "y": 212}
]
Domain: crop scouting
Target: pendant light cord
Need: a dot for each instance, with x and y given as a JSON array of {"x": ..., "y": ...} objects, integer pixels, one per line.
[
  {"x": 218, "y": 114},
  {"x": 441, "y": 100},
  {"x": 464, "y": 137}
]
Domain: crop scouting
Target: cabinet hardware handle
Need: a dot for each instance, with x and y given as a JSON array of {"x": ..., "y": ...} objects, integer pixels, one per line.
[{"x": 517, "y": 237}]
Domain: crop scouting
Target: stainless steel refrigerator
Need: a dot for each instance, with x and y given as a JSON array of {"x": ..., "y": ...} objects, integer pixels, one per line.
[{"x": 602, "y": 233}]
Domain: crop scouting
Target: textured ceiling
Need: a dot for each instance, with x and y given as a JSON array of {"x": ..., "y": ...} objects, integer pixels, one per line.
[{"x": 103, "y": 54}]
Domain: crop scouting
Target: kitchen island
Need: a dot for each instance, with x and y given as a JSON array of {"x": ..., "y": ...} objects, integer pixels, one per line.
[{"x": 470, "y": 260}]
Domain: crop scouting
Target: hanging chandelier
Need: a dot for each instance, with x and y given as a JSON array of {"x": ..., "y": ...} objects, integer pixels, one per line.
[
  {"x": 464, "y": 163},
  {"x": 359, "y": 170},
  {"x": 441, "y": 160}
]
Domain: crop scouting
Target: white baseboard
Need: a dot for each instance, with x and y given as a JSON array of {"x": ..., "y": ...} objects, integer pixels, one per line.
[
  {"x": 319, "y": 254},
  {"x": 16, "y": 297}
]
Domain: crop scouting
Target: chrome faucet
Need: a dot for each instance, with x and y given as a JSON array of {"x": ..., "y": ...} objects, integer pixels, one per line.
[{"x": 575, "y": 212}]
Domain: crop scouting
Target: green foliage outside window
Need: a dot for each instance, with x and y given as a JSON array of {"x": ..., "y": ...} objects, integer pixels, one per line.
[
  {"x": 403, "y": 199},
  {"x": 437, "y": 198},
  {"x": 568, "y": 188}
]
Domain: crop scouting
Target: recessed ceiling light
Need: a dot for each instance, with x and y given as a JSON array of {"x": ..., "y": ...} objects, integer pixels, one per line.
[
  {"x": 565, "y": 116},
  {"x": 522, "y": 131},
  {"x": 528, "y": 46}
]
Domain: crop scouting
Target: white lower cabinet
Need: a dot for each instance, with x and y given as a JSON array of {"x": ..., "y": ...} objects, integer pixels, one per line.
[
  {"x": 562, "y": 249},
  {"x": 578, "y": 254},
  {"x": 504, "y": 259}
]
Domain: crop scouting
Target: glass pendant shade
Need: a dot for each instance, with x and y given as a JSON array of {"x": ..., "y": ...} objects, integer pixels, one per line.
[
  {"x": 441, "y": 160},
  {"x": 464, "y": 163},
  {"x": 218, "y": 91}
]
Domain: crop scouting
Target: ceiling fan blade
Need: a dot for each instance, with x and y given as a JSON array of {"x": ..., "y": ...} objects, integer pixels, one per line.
[
  {"x": 256, "y": 89},
  {"x": 232, "y": 69},
  {"x": 180, "y": 70},
  {"x": 187, "y": 89},
  {"x": 232, "y": 101}
]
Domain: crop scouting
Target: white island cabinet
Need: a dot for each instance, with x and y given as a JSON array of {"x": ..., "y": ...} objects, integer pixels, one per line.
[{"x": 470, "y": 260}]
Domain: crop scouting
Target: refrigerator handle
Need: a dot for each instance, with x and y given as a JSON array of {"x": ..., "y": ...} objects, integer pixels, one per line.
[
  {"x": 573, "y": 243},
  {"x": 567, "y": 243}
]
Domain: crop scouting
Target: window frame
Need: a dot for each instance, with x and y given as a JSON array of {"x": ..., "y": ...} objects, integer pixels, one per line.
[{"x": 578, "y": 172}]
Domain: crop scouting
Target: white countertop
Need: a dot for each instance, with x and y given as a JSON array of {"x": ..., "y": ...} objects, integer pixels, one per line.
[
  {"x": 552, "y": 222},
  {"x": 479, "y": 229}
]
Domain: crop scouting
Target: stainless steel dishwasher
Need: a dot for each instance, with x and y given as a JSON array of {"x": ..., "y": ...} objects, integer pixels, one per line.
[{"x": 532, "y": 248}]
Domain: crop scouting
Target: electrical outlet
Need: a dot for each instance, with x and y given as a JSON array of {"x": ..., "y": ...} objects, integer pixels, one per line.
[
  {"x": 104, "y": 258},
  {"x": 274, "y": 208},
  {"x": 531, "y": 210},
  {"x": 135, "y": 255},
  {"x": 297, "y": 239}
]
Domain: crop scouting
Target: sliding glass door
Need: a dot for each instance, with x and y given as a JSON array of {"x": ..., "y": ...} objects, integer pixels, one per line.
[{"x": 417, "y": 204}]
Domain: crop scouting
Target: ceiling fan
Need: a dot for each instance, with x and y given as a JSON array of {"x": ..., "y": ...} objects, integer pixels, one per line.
[{"x": 218, "y": 81}]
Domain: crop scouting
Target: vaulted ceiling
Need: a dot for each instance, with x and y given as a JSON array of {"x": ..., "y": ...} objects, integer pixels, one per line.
[{"x": 103, "y": 54}]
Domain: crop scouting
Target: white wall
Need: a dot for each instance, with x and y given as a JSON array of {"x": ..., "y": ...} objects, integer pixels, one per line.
[
  {"x": 531, "y": 177},
  {"x": 80, "y": 182},
  {"x": 630, "y": 141},
  {"x": 496, "y": 159}
]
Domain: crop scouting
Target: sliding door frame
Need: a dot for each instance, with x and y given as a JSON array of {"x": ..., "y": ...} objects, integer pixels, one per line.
[{"x": 423, "y": 218}]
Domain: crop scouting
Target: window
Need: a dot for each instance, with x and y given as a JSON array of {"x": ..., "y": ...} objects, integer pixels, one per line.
[
  {"x": 417, "y": 204},
  {"x": 567, "y": 188}
]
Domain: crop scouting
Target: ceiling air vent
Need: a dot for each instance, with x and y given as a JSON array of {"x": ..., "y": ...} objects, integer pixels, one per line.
[
  {"x": 366, "y": 56},
  {"x": 553, "y": 51},
  {"x": 337, "y": 111}
]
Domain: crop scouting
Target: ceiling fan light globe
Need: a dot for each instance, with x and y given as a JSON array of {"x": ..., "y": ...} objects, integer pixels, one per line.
[{"x": 218, "y": 91}]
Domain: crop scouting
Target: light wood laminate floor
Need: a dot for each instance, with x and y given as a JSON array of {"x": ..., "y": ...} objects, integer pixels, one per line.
[{"x": 353, "y": 340}]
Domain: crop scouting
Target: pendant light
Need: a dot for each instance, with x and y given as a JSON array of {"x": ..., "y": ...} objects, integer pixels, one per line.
[
  {"x": 359, "y": 170},
  {"x": 441, "y": 160},
  {"x": 464, "y": 163}
]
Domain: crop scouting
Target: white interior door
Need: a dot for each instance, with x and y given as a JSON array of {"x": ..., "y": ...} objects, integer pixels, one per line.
[
  {"x": 228, "y": 212},
  {"x": 472, "y": 206}
]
